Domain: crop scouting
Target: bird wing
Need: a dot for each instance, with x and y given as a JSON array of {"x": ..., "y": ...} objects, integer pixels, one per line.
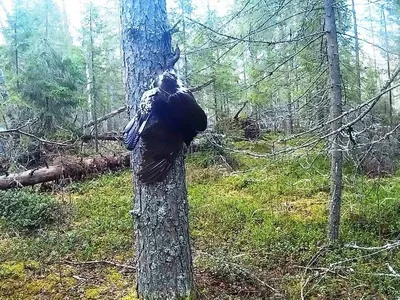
[
  {"x": 131, "y": 132},
  {"x": 161, "y": 147},
  {"x": 184, "y": 107},
  {"x": 137, "y": 124}
]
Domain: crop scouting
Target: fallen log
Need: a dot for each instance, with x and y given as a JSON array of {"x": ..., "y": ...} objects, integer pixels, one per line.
[
  {"x": 102, "y": 137},
  {"x": 66, "y": 167}
]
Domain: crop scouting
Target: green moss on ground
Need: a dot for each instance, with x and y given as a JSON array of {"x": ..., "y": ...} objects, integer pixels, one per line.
[{"x": 268, "y": 217}]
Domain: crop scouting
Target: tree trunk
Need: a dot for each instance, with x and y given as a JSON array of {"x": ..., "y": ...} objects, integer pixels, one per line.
[
  {"x": 336, "y": 111},
  {"x": 110, "y": 102},
  {"x": 357, "y": 51},
  {"x": 93, "y": 91},
  {"x": 16, "y": 54},
  {"x": 163, "y": 255},
  {"x": 388, "y": 67}
]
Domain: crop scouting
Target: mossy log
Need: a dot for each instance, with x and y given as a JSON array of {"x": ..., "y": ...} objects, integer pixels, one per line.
[{"x": 66, "y": 167}]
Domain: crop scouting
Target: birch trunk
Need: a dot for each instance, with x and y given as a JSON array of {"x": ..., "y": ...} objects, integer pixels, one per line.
[
  {"x": 163, "y": 255},
  {"x": 336, "y": 110}
]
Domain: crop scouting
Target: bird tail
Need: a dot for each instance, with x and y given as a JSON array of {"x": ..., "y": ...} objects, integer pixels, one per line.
[{"x": 155, "y": 171}]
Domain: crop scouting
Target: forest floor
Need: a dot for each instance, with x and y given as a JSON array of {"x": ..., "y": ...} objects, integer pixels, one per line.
[{"x": 258, "y": 230}]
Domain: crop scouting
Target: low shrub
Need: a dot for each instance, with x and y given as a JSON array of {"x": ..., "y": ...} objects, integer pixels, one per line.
[{"x": 23, "y": 210}]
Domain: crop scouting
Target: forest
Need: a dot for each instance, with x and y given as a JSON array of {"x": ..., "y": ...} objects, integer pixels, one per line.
[{"x": 291, "y": 191}]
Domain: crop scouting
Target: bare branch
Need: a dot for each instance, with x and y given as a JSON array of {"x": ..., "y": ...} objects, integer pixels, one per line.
[
  {"x": 248, "y": 40},
  {"x": 372, "y": 102},
  {"x": 100, "y": 262},
  {"x": 106, "y": 116}
]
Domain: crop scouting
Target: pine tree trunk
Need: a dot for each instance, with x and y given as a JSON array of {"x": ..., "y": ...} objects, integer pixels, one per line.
[
  {"x": 336, "y": 110},
  {"x": 357, "y": 51},
  {"x": 388, "y": 67},
  {"x": 93, "y": 91},
  {"x": 163, "y": 255},
  {"x": 16, "y": 54}
]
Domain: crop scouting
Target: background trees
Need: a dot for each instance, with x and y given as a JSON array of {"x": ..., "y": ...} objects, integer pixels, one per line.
[{"x": 265, "y": 69}]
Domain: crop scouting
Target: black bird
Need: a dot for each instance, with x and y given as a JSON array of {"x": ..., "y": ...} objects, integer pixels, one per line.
[{"x": 168, "y": 116}]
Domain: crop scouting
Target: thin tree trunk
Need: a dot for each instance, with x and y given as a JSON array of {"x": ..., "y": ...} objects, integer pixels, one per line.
[
  {"x": 357, "y": 51},
  {"x": 185, "y": 60},
  {"x": 2, "y": 22},
  {"x": 47, "y": 22},
  {"x": 336, "y": 111},
  {"x": 16, "y": 49},
  {"x": 289, "y": 119},
  {"x": 371, "y": 28},
  {"x": 163, "y": 255},
  {"x": 216, "y": 110},
  {"x": 109, "y": 107},
  {"x": 388, "y": 67},
  {"x": 93, "y": 90},
  {"x": 88, "y": 112},
  {"x": 4, "y": 8}
]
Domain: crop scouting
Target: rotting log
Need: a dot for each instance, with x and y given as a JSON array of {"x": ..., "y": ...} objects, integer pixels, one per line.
[
  {"x": 103, "y": 137},
  {"x": 66, "y": 167}
]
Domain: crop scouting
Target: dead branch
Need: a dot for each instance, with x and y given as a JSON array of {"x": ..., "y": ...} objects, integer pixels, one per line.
[
  {"x": 372, "y": 102},
  {"x": 19, "y": 131},
  {"x": 384, "y": 247},
  {"x": 241, "y": 270},
  {"x": 201, "y": 86},
  {"x": 99, "y": 262},
  {"x": 106, "y": 116},
  {"x": 112, "y": 136},
  {"x": 240, "y": 110}
]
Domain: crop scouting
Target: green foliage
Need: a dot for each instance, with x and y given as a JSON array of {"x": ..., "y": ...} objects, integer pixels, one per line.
[
  {"x": 100, "y": 217},
  {"x": 24, "y": 210},
  {"x": 269, "y": 216}
]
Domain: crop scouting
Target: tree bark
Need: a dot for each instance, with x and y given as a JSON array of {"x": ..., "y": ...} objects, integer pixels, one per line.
[
  {"x": 67, "y": 168},
  {"x": 163, "y": 255},
  {"x": 388, "y": 67},
  {"x": 336, "y": 110},
  {"x": 357, "y": 51},
  {"x": 93, "y": 91}
]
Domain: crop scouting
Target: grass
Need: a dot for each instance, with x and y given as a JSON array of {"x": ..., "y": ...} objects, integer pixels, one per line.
[{"x": 266, "y": 218}]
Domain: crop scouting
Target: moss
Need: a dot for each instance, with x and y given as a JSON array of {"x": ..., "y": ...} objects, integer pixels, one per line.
[
  {"x": 131, "y": 295},
  {"x": 40, "y": 286},
  {"x": 114, "y": 277},
  {"x": 269, "y": 216},
  {"x": 94, "y": 292},
  {"x": 14, "y": 270}
]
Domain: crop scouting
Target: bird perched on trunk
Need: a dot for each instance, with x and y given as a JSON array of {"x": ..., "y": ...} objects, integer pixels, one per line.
[{"x": 167, "y": 116}]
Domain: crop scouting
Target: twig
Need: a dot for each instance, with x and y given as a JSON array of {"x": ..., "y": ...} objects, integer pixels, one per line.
[
  {"x": 371, "y": 101},
  {"x": 100, "y": 262},
  {"x": 384, "y": 247},
  {"x": 19, "y": 130},
  {"x": 106, "y": 116},
  {"x": 242, "y": 270},
  {"x": 376, "y": 250},
  {"x": 201, "y": 86}
]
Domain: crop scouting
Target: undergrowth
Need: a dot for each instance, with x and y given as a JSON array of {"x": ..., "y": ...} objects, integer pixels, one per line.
[
  {"x": 266, "y": 217},
  {"x": 26, "y": 211}
]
